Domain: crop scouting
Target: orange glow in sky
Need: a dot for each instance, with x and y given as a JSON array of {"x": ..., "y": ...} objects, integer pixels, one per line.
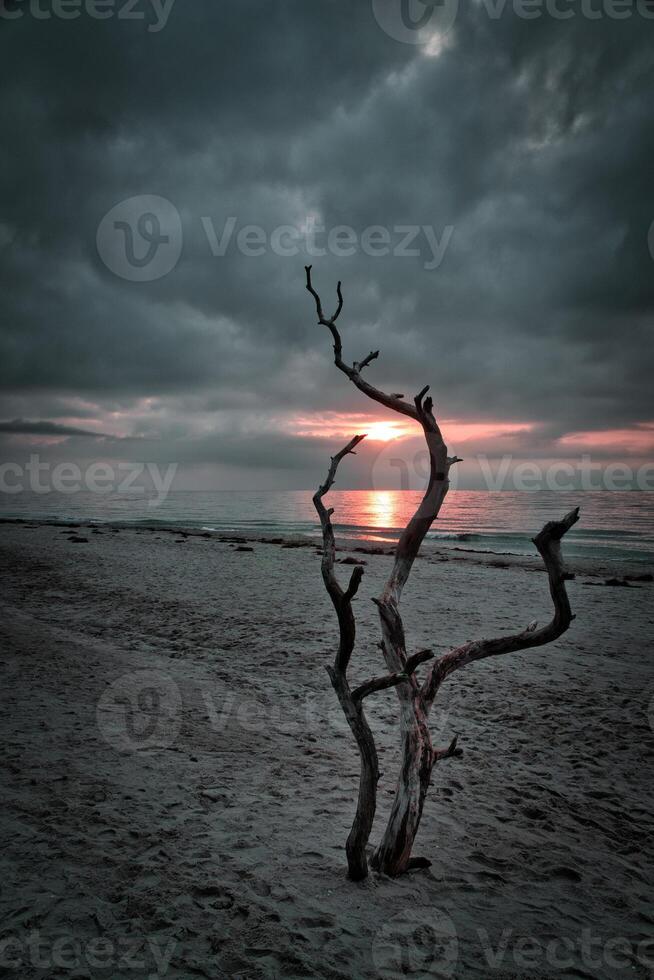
[
  {"x": 385, "y": 431},
  {"x": 334, "y": 425}
]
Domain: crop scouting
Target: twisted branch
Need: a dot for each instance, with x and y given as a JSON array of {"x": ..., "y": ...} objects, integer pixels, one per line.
[
  {"x": 341, "y": 599},
  {"x": 548, "y": 542},
  {"x": 353, "y": 372}
]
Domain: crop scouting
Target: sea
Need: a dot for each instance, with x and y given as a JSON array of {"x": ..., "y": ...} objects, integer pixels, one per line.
[{"x": 614, "y": 525}]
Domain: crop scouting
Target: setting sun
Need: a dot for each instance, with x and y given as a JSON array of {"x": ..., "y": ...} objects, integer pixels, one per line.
[
  {"x": 333, "y": 425},
  {"x": 384, "y": 431}
]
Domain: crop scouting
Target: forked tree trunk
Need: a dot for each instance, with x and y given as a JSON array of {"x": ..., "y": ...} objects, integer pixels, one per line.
[
  {"x": 351, "y": 701},
  {"x": 342, "y": 602},
  {"x": 393, "y": 855}
]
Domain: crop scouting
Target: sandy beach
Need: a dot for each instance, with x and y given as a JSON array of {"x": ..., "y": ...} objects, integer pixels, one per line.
[{"x": 178, "y": 782}]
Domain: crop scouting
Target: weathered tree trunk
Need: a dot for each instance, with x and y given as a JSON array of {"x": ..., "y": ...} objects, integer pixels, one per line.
[
  {"x": 352, "y": 701},
  {"x": 342, "y": 602},
  {"x": 355, "y": 846},
  {"x": 393, "y": 855}
]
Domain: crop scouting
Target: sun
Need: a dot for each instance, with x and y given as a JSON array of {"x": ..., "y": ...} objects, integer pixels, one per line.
[
  {"x": 342, "y": 426},
  {"x": 384, "y": 431}
]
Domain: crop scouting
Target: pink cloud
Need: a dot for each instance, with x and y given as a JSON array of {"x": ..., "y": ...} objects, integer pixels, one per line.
[{"x": 638, "y": 440}]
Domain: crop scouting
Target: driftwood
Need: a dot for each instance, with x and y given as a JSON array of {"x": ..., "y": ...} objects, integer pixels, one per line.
[{"x": 419, "y": 756}]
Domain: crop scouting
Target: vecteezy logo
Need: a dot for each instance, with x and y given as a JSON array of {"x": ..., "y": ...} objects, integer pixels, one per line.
[
  {"x": 650, "y": 239},
  {"x": 400, "y": 464},
  {"x": 415, "y": 21},
  {"x": 141, "y": 710},
  {"x": 403, "y": 464},
  {"x": 418, "y": 943},
  {"x": 141, "y": 238}
]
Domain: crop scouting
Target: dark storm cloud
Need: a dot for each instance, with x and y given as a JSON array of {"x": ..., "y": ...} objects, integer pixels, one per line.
[
  {"x": 531, "y": 139},
  {"x": 41, "y": 428}
]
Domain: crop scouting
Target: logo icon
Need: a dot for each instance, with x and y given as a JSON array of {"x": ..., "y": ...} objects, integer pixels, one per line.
[
  {"x": 141, "y": 238},
  {"x": 418, "y": 943},
  {"x": 400, "y": 464},
  {"x": 141, "y": 710},
  {"x": 415, "y": 21},
  {"x": 403, "y": 464}
]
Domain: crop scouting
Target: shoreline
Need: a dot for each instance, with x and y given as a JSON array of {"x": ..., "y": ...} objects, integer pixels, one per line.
[{"x": 632, "y": 570}]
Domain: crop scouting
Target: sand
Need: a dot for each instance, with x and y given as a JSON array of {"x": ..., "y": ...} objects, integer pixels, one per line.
[{"x": 178, "y": 782}]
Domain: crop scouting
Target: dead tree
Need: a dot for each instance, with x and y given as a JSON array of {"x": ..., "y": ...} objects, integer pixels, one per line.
[{"x": 393, "y": 855}]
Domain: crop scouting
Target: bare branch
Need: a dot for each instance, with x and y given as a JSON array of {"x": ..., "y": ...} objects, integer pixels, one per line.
[
  {"x": 335, "y": 460},
  {"x": 372, "y": 356},
  {"x": 353, "y": 371},
  {"x": 414, "y": 533},
  {"x": 355, "y": 846},
  {"x": 321, "y": 315},
  {"x": 548, "y": 542},
  {"x": 418, "y": 401},
  {"x": 414, "y": 661},
  {"x": 391, "y": 680},
  {"x": 341, "y": 600},
  {"x": 450, "y": 752},
  {"x": 377, "y": 684},
  {"x": 339, "y": 293},
  {"x": 355, "y": 582}
]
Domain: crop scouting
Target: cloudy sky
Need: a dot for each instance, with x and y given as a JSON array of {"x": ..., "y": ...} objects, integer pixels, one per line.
[{"x": 482, "y": 186}]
